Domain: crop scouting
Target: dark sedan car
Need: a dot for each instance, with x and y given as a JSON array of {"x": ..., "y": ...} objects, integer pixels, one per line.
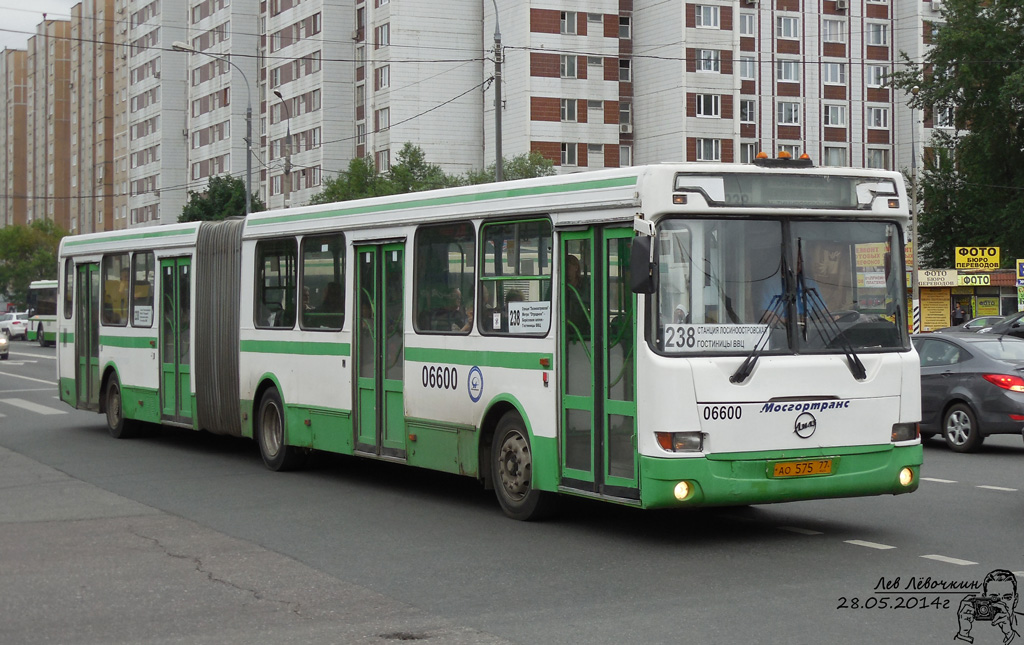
[
  {"x": 972, "y": 386},
  {"x": 974, "y": 324},
  {"x": 1012, "y": 325}
]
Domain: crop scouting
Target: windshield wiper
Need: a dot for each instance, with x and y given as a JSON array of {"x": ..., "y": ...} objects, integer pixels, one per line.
[
  {"x": 768, "y": 318},
  {"x": 818, "y": 311}
]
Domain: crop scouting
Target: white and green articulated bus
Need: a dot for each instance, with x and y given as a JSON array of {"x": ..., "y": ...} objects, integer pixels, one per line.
[
  {"x": 673, "y": 335},
  {"x": 42, "y": 307}
]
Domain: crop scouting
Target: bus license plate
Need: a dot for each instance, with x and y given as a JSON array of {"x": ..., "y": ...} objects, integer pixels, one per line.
[{"x": 802, "y": 468}]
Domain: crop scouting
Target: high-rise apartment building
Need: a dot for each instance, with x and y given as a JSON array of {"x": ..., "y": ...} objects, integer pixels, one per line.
[
  {"x": 92, "y": 146},
  {"x": 13, "y": 205},
  {"x": 48, "y": 123}
]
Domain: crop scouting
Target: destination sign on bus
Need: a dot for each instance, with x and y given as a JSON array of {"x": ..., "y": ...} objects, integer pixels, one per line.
[
  {"x": 757, "y": 190},
  {"x": 529, "y": 317},
  {"x": 685, "y": 339}
]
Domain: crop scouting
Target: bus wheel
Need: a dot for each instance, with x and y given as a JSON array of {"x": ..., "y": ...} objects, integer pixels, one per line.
[
  {"x": 961, "y": 430},
  {"x": 512, "y": 472},
  {"x": 40, "y": 337},
  {"x": 117, "y": 425},
  {"x": 277, "y": 455}
]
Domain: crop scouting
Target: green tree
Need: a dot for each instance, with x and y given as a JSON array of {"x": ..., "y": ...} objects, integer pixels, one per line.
[
  {"x": 224, "y": 197},
  {"x": 27, "y": 253},
  {"x": 524, "y": 166},
  {"x": 412, "y": 173},
  {"x": 360, "y": 180},
  {"x": 973, "y": 177}
]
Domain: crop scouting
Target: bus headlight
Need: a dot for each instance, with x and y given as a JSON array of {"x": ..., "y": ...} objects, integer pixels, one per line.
[
  {"x": 906, "y": 477},
  {"x": 680, "y": 441},
  {"x": 904, "y": 431}
]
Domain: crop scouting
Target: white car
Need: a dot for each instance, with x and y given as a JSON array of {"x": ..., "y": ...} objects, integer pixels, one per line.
[{"x": 14, "y": 325}]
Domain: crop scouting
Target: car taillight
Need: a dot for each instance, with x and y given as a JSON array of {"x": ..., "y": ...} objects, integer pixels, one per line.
[{"x": 1005, "y": 381}]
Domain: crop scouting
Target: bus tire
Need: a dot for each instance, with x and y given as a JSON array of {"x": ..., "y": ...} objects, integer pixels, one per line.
[
  {"x": 272, "y": 435},
  {"x": 40, "y": 337},
  {"x": 960, "y": 429},
  {"x": 512, "y": 472},
  {"x": 117, "y": 425}
]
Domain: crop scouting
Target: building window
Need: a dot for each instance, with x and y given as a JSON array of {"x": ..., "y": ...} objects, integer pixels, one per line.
[
  {"x": 595, "y": 155},
  {"x": 625, "y": 28},
  {"x": 567, "y": 66},
  {"x": 383, "y": 77},
  {"x": 708, "y": 105},
  {"x": 748, "y": 68},
  {"x": 568, "y": 154},
  {"x": 709, "y": 60},
  {"x": 835, "y": 115},
  {"x": 834, "y": 156},
  {"x": 383, "y": 160},
  {"x": 595, "y": 111},
  {"x": 877, "y": 33},
  {"x": 748, "y": 110},
  {"x": 597, "y": 63},
  {"x": 707, "y": 16},
  {"x": 789, "y": 113},
  {"x": 878, "y": 117},
  {"x": 878, "y": 158},
  {"x": 625, "y": 156},
  {"x": 596, "y": 18},
  {"x": 568, "y": 110},
  {"x": 748, "y": 23},
  {"x": 567, "y": 22},
  {"x": 793, "y": 150},
  {"x": 383, "y": 36},
  {"x": 709, "y": 149},
  {"x": 833, "y": 31},
  {"x": 876, "y": 75},
  {"x": 748, "y": 152},
  {"x": 787, "y": 27},
  {"x": 787, "y": 71},
  {"x": 834, "y": 73},
  {"x": 625, "y": 113},
  {"x": 625, "y": 70},
  {"x": 383, "y": 119},
  {"x": 943, "y": 117},
  {"x": 360, "y": 134}
]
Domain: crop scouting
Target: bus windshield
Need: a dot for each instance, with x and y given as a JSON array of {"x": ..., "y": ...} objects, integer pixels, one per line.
[{"x": 728, "y": 286}]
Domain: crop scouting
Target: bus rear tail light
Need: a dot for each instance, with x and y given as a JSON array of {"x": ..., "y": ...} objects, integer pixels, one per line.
[
  {"x": 1006, "y": 381},
  {"x": 905, "y": 431},
  {"x": 681, "y": 441}
]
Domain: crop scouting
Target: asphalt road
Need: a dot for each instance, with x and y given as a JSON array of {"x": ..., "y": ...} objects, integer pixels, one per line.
[{"x": 185, "y": 537}]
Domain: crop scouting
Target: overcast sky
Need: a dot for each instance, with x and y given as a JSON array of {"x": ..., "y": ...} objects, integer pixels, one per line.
[{"x": 17, "y": 24}]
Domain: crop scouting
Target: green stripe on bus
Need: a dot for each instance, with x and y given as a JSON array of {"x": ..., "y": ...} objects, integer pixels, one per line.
[
  {"x": 67, "y": 336},
  {"x": 132, "y": 236},
  {"x": 299, "y": 348},
  {"x": 136, "y": 342},
  {"x": 454, "y": 199},
  {"x": 511, "y": 360}
]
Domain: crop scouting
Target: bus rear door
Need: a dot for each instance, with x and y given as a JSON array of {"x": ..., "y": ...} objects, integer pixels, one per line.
[
  {"x": 380, "y": 351},
  {"x": 87, "y": 335},
  {"x": 597, "y": 337}
]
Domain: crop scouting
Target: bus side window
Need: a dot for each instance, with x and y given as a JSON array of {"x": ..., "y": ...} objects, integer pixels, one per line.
[{"x": 276, "y": 284}]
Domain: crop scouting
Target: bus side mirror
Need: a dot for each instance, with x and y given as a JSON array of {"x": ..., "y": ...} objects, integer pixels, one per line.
[{"x": 642, "y": 266}]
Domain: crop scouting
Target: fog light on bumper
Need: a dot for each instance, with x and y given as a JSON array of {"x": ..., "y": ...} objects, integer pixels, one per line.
[
  {"x": 906, "y": 477},
  {"x": 682, "y": 491}
]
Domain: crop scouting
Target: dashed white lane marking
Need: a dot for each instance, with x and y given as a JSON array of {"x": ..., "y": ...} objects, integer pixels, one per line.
[
  {"x": 33, "y": 407},
  {"x": 937, "y": 480},
  {"x": 1019, "y": 574},
  {"x": 28, "y": 378},
  {"x": 943, "y": 558},
  {"x": 870, "y": 545},
  {"x": 1008, "y": 490},
  {"x": 801, "y": 531}
]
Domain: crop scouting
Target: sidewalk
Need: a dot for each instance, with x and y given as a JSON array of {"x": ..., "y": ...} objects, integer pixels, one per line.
[{"x": 81, "y": 565}]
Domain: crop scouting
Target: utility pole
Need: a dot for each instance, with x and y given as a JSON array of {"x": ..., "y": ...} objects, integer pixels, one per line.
[
  {"x": 499, "y": 174},
  {"x": 288, "y": 151},
  {"x": 915, "y": 285}
]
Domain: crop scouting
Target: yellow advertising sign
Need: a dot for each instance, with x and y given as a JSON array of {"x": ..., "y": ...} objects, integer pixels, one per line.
[
  {"x": 934, "y": 309},
  {"x": 871, "y": 254},
  {"x": 974, "y": 280},
  {"x": 977, "y": 257},
  {"x": 936, "y": 277},
  {"x": 988, "y": 306}
]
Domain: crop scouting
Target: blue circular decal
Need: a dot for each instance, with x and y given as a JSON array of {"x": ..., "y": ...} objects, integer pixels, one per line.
[{"x": 475, "y": 383}]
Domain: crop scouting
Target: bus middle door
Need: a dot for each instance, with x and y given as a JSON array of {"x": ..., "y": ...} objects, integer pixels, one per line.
[
  {"x": 597, "y": 339},
  {"x": 175, "y": 340},
  {"x": 87, "y": 335},
  {"x": 380, "y": 350}
]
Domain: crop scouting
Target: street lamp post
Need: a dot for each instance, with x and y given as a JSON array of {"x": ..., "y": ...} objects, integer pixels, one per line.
[
  {"x": 288, "y": 151},
  {"x": 915, "y": 284},
  {"x": 499, "y": 174},
  {"x": 183, "y": 47}
]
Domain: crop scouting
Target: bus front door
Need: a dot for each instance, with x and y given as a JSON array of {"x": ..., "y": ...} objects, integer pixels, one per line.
[
  {"x": 87, "y": 335},
  {"x": 597, "y": 337},
  {"x": 175, "y": 340},
  {"x": 379, "y": 351}
]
